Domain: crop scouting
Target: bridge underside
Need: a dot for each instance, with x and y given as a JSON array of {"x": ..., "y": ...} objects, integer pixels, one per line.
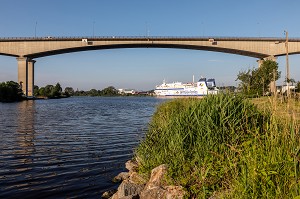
[{"x": 172, "y": 46}]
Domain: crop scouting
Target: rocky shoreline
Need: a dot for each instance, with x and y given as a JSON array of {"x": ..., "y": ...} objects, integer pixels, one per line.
[{"x": 135, "y": 186}]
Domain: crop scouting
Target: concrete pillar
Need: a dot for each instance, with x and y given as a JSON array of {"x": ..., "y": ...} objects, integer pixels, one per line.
[
  {"x": 30, "y": 77},
  {"x": 260, "y": 61},
  {"x": 273, "y": 83},
  {"x": 22, "y": 73}
]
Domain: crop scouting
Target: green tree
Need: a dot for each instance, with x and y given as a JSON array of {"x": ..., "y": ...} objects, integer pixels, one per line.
[
  {"x": 245, "y": 78},
  {"x": 257, "y": 81},
  {"x": 48, "y": 91},
  {"x": 93, "y": 92},
  {"x": 36, "y": 90},
  {"x": 298, "y": 87},
  {"x": 69, "y": 91},
  {"x": 42, "y": 92},
  {"x": 56, "y": 91},
  {"x": 109, "y": 91},
  {"x": 10, "y": 91}
]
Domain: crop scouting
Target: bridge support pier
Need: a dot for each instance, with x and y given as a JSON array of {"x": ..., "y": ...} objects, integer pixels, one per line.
[
  {"x": 273, "y": 83},
  {"x": 30, "y": 77},
  {"x": 26, "y": 75}
]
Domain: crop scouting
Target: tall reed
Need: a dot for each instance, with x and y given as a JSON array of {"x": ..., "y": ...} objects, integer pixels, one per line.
[{"x": 223, "y": 146}]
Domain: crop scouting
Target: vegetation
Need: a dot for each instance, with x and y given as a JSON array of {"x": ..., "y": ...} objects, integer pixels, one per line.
[
  {"x": 224, "y": 146},
  {"x": 10, "y": 91},
  {"x": 257, "y": 81},
  {"x": 109, "y": 91},
  {"x": 49, "y": 91}
]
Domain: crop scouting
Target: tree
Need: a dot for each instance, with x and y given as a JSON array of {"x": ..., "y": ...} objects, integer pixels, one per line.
[
  {"x": 10, "y": 91},
  {"x": 36, "y": 90},
  {"x": 42, "y": 92},
  {"x": 56, "y": 90},
  {"x": 93, "y": 92},
  {"x": 291, "y": 80},
  {"x": 298, "y": 87},
  {"x": 257, "y": 81},
  {"x": 245, "y": 77},
  {"x": 69, "y": 91},
  {"x": 48, "y": 90},
  {"x": 110, "y": 91}
]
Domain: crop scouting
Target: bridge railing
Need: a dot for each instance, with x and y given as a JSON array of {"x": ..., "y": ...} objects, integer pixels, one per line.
[{"x": 49, "y": 38}]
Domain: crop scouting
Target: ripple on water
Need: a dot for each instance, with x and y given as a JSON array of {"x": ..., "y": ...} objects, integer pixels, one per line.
[{"x": 69, "y": 147}]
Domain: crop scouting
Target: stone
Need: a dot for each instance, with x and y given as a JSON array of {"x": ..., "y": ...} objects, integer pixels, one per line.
[
  {"x": 128, "y": 188},
  {"x": 130, "y": 197},
  {"x": 153, "y": 193},
  {"x": 121, "y": 176},
  {"x": 137, "y": 178},
  {"x": 108, "y": 194},
  {"x": 136, "y": 186},
  {"x": 131, "y": 166},
  {"x": 157, "y": 175},
  {"x": 168, "y": 192}
]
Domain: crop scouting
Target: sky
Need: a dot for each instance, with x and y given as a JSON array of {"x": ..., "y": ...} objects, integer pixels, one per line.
[{"x": 144, "y": 68}]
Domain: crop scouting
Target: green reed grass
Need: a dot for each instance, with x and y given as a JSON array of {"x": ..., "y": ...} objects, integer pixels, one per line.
[{"x": 223, "y": 146}]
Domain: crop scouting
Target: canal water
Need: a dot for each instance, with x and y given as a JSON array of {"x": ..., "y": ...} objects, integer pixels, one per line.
[{"x": 69, "y": 148}]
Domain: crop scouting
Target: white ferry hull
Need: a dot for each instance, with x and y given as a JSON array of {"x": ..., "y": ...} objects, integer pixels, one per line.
[{"x": 183, "y": 90}]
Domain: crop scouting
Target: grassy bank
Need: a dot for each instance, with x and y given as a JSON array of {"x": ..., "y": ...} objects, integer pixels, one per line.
[{"x": 224, "y": 146}]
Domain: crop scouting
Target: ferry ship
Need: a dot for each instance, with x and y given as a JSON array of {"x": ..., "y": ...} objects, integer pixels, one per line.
[{"x": 201, "y": 88}]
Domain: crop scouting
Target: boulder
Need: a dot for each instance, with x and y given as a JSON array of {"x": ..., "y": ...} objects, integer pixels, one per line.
[
  {"x": 157, "y": 176},
  {"x": 136, "y": 186},
  {"x": 137, "y": 178},
  {"x": 128, "y": 188},
  {"x": 121, "y": 176},
  {"x": 168, "y": 192},
  {"x": 131, "y": 165},
  {"x": 108, "y": 194}
]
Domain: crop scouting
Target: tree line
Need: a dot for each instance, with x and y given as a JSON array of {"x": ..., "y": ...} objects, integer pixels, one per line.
[
  {"x": 109, "y": 91},
  {"x": 56, "y": 91}
]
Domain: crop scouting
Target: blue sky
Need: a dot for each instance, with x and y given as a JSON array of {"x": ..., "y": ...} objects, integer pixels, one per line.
[{"x": 142, "y": 69}]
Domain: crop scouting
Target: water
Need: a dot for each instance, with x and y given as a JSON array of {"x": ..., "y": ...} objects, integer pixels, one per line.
[{"x": 68, "y": 148}]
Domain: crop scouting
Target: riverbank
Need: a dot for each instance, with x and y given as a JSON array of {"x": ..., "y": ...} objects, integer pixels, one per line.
[{"x": 223, "y": 146}]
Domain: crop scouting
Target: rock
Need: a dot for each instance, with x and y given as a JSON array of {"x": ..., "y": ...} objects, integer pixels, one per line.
[
  {"x": 153, "y": 193},
  {"x": 128, "y": 188},
  {"x": 168, "y": 192},
  {"x": 137, "y": 178},
  {"x": 121, "y": 176},
  {"x": 131, "y": 197},
  {"x": 108, "y": 194},
  {"x": 135, "y": 186},
  {"x": 157, "y": 175},
  {"x": 131, "y": 166},
  {"x": 174, "y": 192}
]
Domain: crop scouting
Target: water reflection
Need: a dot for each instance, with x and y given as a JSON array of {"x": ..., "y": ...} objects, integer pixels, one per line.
[{"x": 25, "y": 134}]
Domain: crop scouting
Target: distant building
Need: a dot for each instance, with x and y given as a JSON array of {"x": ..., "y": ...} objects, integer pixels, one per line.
[{"x": 124, "y": 91}]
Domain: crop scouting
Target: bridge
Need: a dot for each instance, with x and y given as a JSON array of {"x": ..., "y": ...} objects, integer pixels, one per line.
[{"x": 26, "y": 49}]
